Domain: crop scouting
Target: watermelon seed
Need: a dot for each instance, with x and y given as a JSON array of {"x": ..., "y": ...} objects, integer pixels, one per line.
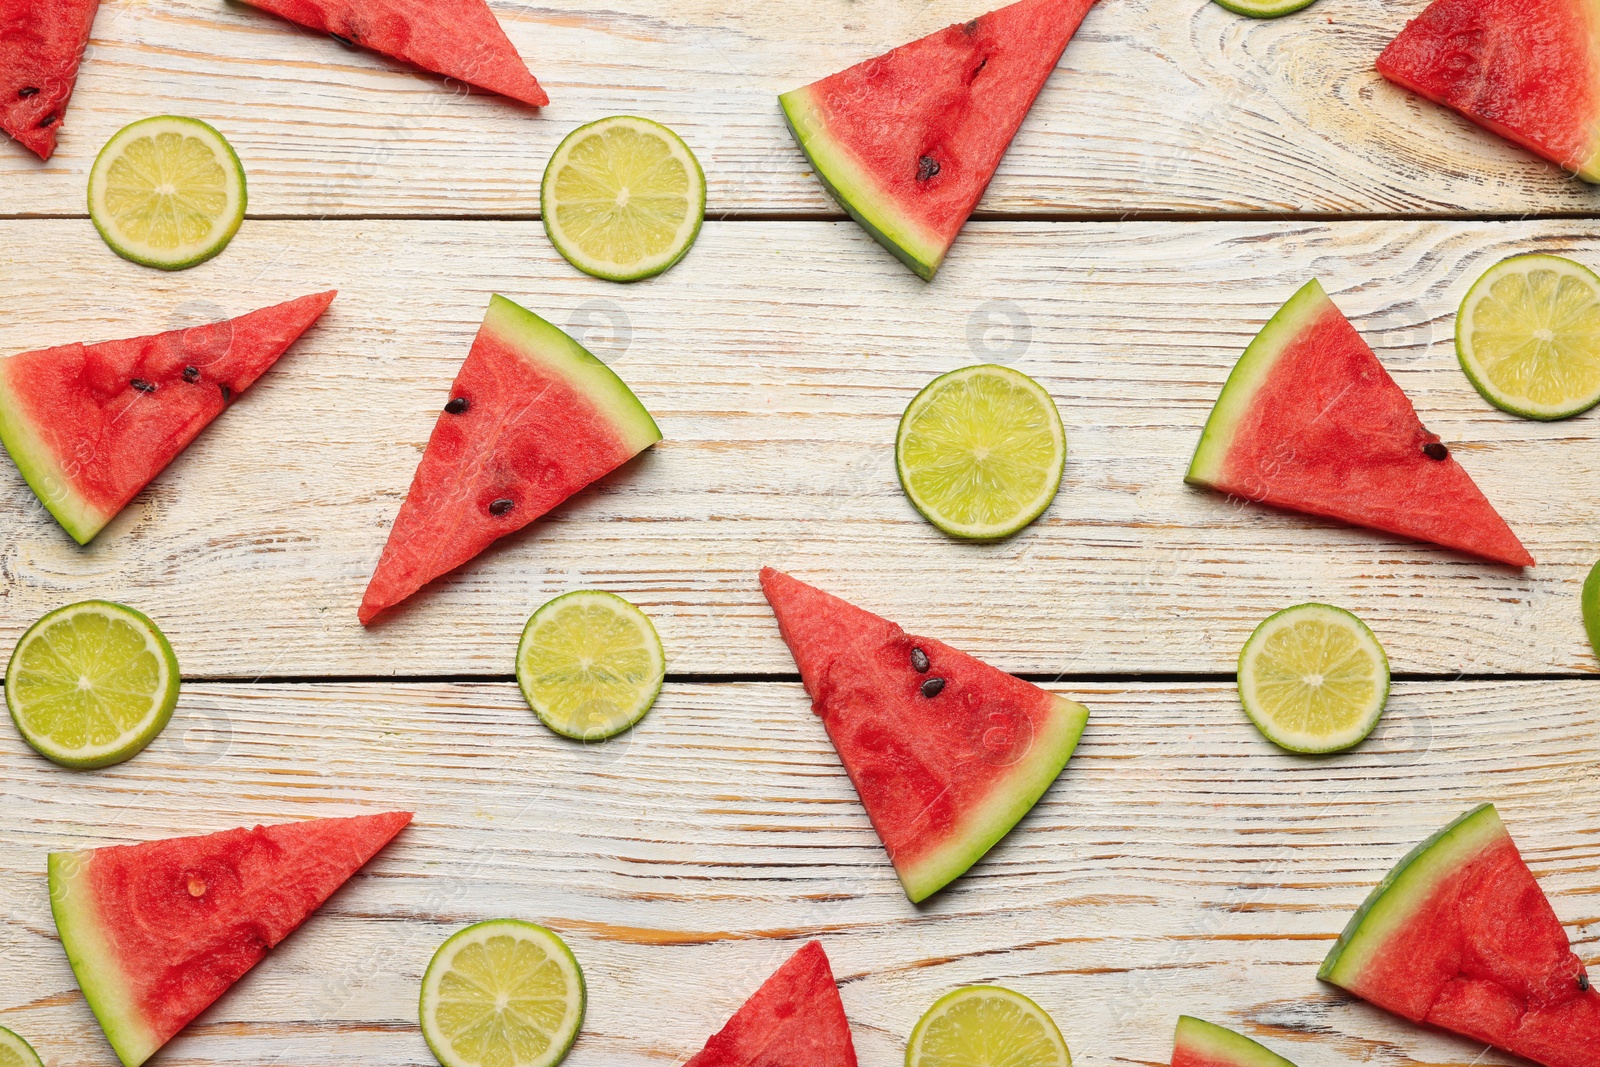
[
  {"x": 197, "y": 888},
  {"x": 347, "y": 42},
  {"x": 457, "y": 405},
  {"x": 227, "y": 396},
  {"x": 919, "y": 660},
  {"x": 971, "y": 27},
  {"x": 932, "y": 687},
  {"x": 142, "y": 385},
  {"x": 1435, "y": 450},
  {"x": 31, "y": 90},
  {"x": 191, "y": 374},
  {"x": 48, "y": 120},
  {"x": 927, "y": 167},
  {"x": 501, "y": 506},
  {"x": 1583, "y": 982}
]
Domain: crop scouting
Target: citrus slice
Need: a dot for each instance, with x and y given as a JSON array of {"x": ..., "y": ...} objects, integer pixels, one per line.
[
  {"x": 623, "y": 198},
  {"x": 167, "y": 192},
  {"x": 15, "y": 1052},
  {"x": 590, "y": 664},
  {"x": 1591, "y": 607},
  {"x": 1313, "y": 678},
  {"x": 986, "y": 1026},
  {"x": 980, "y": 451},
  {"x": 91, "y": 684},
  {"x": 502, "y": 993},
  {"x": 1264, "y": 9},
  {"x": 1528, "y": 336}
]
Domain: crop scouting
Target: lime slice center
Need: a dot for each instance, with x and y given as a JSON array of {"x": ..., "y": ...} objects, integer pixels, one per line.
[
  {"x": 167, "y": 190},
  {"x": 590, "y": 664},
  {"x": 1315, "y": 678},
  {"x": 1529, "y": 336},
  {"x": 87, "y": 680},
  {"x": 986, "y": 1026},
  {"x": 597, "y": 202}
]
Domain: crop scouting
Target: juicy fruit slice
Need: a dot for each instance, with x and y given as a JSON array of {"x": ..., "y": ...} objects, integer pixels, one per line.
[
  {"x": 1528, "y": 70},
  {"x": 946, "y": 752},
  {"x": 41, "y": 44},
  {"x": 1203, "y": 1044},
  {"x": 90, "y": 425},
  {"x": 15, "y": 1052},
  {"x": 623, "y": 198},
  {"x": 907, "y": 142},
  {"x": 156, "y": 932},
  {"x": 502, "y": 993},
  {"x": 590, "y": 665},
  {"x": 980, "y": 452},
  {"x": 532, "y": 418},
  {"x": 1310, "y": 421},
  {"x": 987, "y": 1025},
  {"x": 795, "y": 1019},
  {"x": 92, "y": 684},
  {"x": 1460, "y": 936},
  {"x": 1528, "y": 336},
  {"x": 1591, "y": 607},
  {"x": 1313, "y": 678},
  {"x": 167, "y": 192},
  {"x": 1264, "y": 9},
  {"x": 458, "y": 38}
]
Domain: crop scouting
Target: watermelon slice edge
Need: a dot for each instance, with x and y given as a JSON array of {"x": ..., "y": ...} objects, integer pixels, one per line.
[{"x": 1202, "y": 1044}]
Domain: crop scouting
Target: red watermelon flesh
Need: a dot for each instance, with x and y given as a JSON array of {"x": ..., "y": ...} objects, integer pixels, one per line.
[
  {"x": 1460, "y": 936},
  {"x": 458, "y": 38},
  {"x": 41, "y": 44},
  {"x": 945, "y": 773},
  {"x": 1309, "y": 420},
  {"x": 156, "y": 932},
  {"x": 907, "y": 142},
  {"x": 532, "y": 418},
  {"x": 795, "y": 1019},
  {"x": 1529, "y": 70},
  {"x": 90, "y": 425}
]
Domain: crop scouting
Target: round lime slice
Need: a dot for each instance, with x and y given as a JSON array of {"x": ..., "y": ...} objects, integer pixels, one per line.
[
  {"x": 1591, "y": 608},
  {"x": 1264, "y": 9},
  {"x": 1313, "y": 678},
  {"x": 167, "y": 192},
  {"x": 590, "y": 664},
  {"x": 623, "y": 198},
  {"x": 15, "y": 1052},
  {"x": 980, "y": 452},
  {"x": 1528, "y": 336},
  {"x": 502, "y": 993},
  {"x": 91, "y": 684},
  {"x": 986, "y": 1026}
]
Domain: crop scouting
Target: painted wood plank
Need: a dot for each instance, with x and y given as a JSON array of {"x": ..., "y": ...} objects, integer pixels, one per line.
[
  {"x": 1181, "y": 864},
  {"x": 1159, "y": 106}
]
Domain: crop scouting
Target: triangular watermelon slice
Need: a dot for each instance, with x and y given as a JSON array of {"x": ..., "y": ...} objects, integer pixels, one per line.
[
  {"x": 156, "y": 932},
  {"x": 457, "y": 38},
  {"x": 1461, "y": 937},
  {"x": 795, "y": 1019},
  {"x": 1202, "y": 1044},
  {"x": 907, "y": 142},
  {"x": 946, "y": 752},
  {"x": 90, "y": 425},
  {"x": 532, "y": 418},
  {"x": 1309, "y": 420},
  {"x": 41, "y": 44},
  {"x": 1529, "y": 70}
]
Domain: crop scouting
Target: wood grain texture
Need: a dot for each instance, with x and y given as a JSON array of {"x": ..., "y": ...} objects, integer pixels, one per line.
[
  {"x": 778, "y": 358},
  {"x": 1181, "y": 864},
  {"x": 1159, "y": 106}
]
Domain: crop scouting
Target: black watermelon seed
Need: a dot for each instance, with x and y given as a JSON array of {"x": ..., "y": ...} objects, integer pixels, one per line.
[
  {"x": 48, "y": 120},
  {"x": 227, "y": 394},
  {"x": 927, "y": 167},
  {"x": 457, "y": 405},
  {"x": 142, "y": 385},
  {"x": 1583, "y": 982},
  {"x": 191, "y": 374},
  {"x": 919, "y": 660},
  {"x": 31, "y": 90},
  {"x": 1435, "y": 450},
  {"x": 932, "y": 687},
  {"x": 971, "y": 27},
  {"x": 347, "y": 42},
  {"x": 501, "y": 506}
]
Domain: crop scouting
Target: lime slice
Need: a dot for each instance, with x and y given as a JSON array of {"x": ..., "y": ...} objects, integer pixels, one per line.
[
  {"x": 1528, "y": 336},
  {"x": 91, "y": 684},
  {"x": 623, "y": 198},
  {"x": 1313, "y": 678},
  {"x": 980, "y": 452},
  {"x": 503, "y": 993},
  {"x": 15, "y": 1052},
  {"x": 1591, "y": 608},
  {"x": 167, "y": 192},
  {"x": 590, "y": 664},
  {"x": 1264, "y": 9},
  {"x": 986, "y": 1026}
]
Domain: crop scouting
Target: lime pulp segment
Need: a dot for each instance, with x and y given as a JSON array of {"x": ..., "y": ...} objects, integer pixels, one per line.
[
  {"x": 590, "y": 664},
  {"x": 15, "y": 1052},
  {"x": 502, "y": 993},
  {"x": 1313, "y": 678},
  {"x": 986, "y": 1026}
]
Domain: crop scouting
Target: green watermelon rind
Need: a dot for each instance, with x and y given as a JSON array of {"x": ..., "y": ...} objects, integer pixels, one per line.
[
  {"x": 95, "y": 964},
  {"x": 1255, "y": 366},
  {"x": 1009, "y": 800},
  {"x": 856, "y": 192},
  {"x": 1219, "y": 1044},
  {"x": 1405, "y": 889},
  {"x": 549, "y": 347},
  {"x": 43, "y": 471}
]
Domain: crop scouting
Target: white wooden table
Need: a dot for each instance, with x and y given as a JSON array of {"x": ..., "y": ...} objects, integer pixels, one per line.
[{"x": 1183, "y": 172}]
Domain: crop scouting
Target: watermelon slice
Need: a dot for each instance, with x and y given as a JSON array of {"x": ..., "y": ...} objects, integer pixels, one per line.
[
  {"x": 1461, "y": 937},
  {"x": 156, "y": 932},
  {"x": 41, "y": 44},
  {"x": 457, "y": 38},
  {"x": 795, "y": 1019},
  {"x": 1310, "y": 421},
  {"x": 908, "y": 141},
  {"x": 1203, "y": 1044},
  {"x": 1529, "y": 70},
  {"x": 532, "y": 419},
  {"x": 90, "y": 425},
  {"x": 947, "y": 752}
]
